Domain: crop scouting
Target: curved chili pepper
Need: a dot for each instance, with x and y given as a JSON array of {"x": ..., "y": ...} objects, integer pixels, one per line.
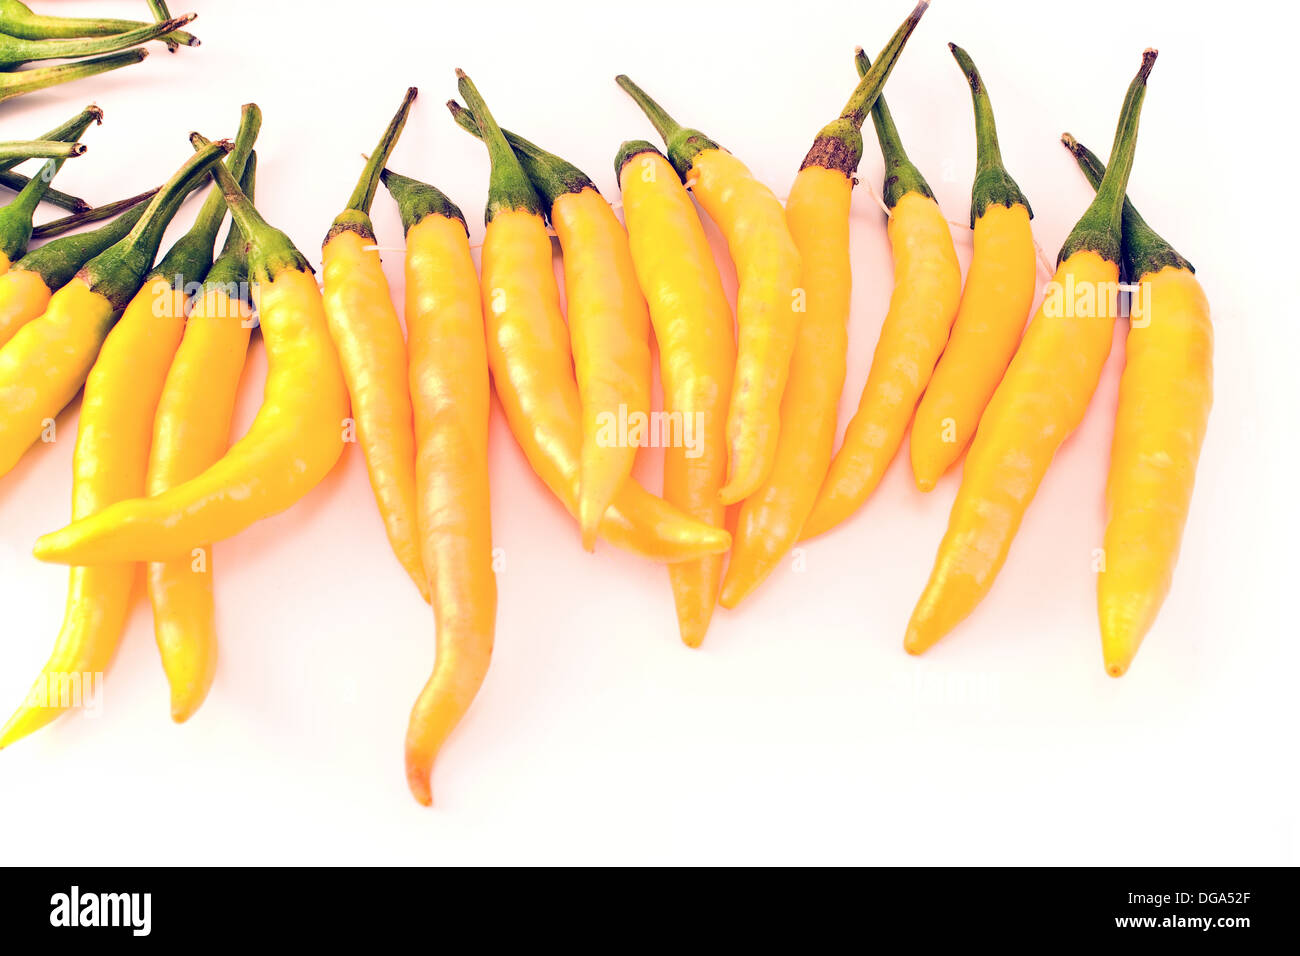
[
  {"x": 768, "y": 268},
  {"x": 528, "y": 353},
  {"x": 818, "y": 212},
  {"x": 368, "y": 336},
  {"x": 609, "y": 325},
  {"x": 25, "y": 290},
  {"x": 191, "y": 430},
  {"x": 45, "y": 363},
  {"x": 16, "y": 218},
  {"x": 998, "y": 297},
  {"x": 292, "y": 444},
  {"x": 694, "y": 327},
  {"x": 450, "y": 393},
  {"x": 1041, "y": 400},
  {"x": 927, "y": 290},
  {"x": 112, "y": 433},
  {"x": 1165, "y": 394}
]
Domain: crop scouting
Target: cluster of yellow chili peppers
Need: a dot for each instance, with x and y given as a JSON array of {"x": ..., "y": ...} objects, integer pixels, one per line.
[{"x": 152, "y": 484}]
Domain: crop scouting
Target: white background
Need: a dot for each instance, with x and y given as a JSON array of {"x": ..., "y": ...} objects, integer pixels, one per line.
[{"x": 801, "y": 732}]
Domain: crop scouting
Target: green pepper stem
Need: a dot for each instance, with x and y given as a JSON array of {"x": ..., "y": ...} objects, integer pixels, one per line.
[
  {"x": 664, "y": 125},
  {"x": 29, "y": 81},
  {"x": 988, "y": 154},
  {"x": 58, "y": 261},
  {"x": 270, "y": 251},
  {"x": 364, "y": 195},
  {"x": 993, "y": 184},
  {"x": 230, "y": 271},
  {"x": 64, "y": 132},
  {"x": 14, "y": 52},
  {"x": 1145, "y": 251},
  {"x": 191, "y": 257},
  {"x": 550, "y": 175},
  {"x": 16, "y": 218},
  {"x": 235, "y": 243},
  {"x": 18, "y": 20},
  {"x": 116, "y": 273},
  {"x": 838, "y": 145},
  {"x": 39, "y": 149},
  {"x": 416, "y": 200},
  {"x": 873, "y": 81},
  {"x": 1100, "y": 227},
  {"x": 160, "y": 14},
  {"x": 683, "y": 143},
  {"x": 508, "y": 187},
  {"x": 17, "y": 182},
  {"x": 57, "y": 227},
  {"x": 901, "y": 175},
  {"x": 69, "y": 130}
]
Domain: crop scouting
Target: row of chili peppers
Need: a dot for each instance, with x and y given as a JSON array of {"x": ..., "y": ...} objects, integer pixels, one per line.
[
  {"x": 91, "y": 45},
  {"x": 151, "y": 483}
]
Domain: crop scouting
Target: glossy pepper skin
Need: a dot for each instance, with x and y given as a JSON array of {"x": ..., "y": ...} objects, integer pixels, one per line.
[
  {"x": 191, "y": 430},
  {"x": 998, "y": 297},
  {"x": 450, "y": 392},
  {"x": 45, "y": 363},
  {"x": 818, "y": 213},
  {"x": 292, "y": 444},
  {"x": 609, "y": 325},
  {"x": 1041, "y": 400},
  {"x": 694, "y": 327},
  {"x": 609, "y": 328},
  {"x": 927, "y": 290},
  {"x": 372, "y": 351},
  {"x": 1165, "y": 395},
  {"x": 532, "y": 369},
  {"x": 768, "y": 299},
  {"x": 25, "y": 290},
  {"x": 111, "y": 453}
]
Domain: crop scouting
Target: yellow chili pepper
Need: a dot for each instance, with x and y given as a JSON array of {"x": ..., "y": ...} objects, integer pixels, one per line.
[
  {"x": 818, "y": 212},
  {"x": 191, "y": 431},
  {"x": 368, "y": 336},
  {"x": 769, "y": 297},
  {"x": 609, "y": 325},
  {"x": 1165, "y": 396},
  {"x": 16, "y": 217},
  {"x": 45, "y": 363},
  {"x": 528, "y": 353},
  {"x": 292, "y": 444},
  {"x": 113, "y": 432},
  {"x": 998, "y": 296},
  {"x": 697, "y": 353},
  {"x": 25, "y": 289},
  {"x": 927, "y": 289},
  {"x": 450, "y": 393},
  {"x": 1040, "y": 402}
]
